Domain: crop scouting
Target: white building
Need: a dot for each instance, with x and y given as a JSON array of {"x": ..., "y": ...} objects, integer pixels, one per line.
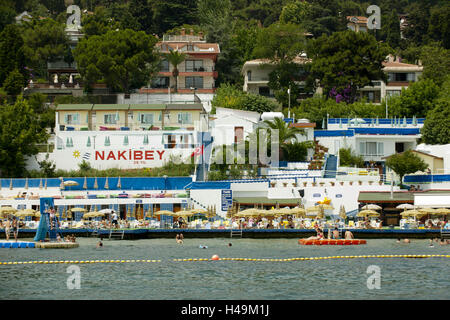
[
  {"x": 232, "y": 126},
  {"x": 374, "y": 139}
]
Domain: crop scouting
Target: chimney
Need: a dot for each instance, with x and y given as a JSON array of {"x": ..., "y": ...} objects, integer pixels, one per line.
[{"x": 183, "y": 31}]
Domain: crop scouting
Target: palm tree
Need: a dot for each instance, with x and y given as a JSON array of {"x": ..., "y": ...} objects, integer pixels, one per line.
[
  {"x": 175, "y": 57},
  {"x": 285, "y": 133}
]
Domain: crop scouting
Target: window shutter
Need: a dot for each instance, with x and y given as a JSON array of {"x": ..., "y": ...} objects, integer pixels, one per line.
[
  {"x": 362, "y": 148},
  {"x": 66, "y": 119},
  {"x": 380, "y": 148}
]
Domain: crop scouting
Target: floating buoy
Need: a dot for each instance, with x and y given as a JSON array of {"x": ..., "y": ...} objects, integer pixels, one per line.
[{"x": 215, "y": 257}]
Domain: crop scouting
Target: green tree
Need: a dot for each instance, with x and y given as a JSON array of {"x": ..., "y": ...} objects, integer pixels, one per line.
[
  {"x": 417, "y": 99},
  {"x": 7, "y": 15},
  {"x": 418, "y": 22},
  {"x": 436, "y": 63},
  {"x": 14, "y": 83},
  {"x": 168, "y": 14},
  {"x": 286, "y": 134},
  {"x": 175, "y": 58},
  {"x": 296, "y": 151},
  {"x": 126, "y": 59},
  {"x": 99, "y": 23},
  {"x": 44, "y": 41},
  {"x": 229, "y": 96},
  {"x": 346, "y": 61},
  {"x": 295, "y": 12},
  {"x": 11, "y": 52},
  {"x": 439, "y": 27},
  {"x": 348, "y": 158},
  {"x": 405, "y": 163},
  {"x": 391, "y": 28},
  {"x": 282, "y": 44},
  {"x": 436, "y": 129},
  {"x": 19, "y": 134}
]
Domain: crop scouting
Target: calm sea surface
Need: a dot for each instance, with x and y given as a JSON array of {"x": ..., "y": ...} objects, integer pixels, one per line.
[{"x": 401, "y": 278}]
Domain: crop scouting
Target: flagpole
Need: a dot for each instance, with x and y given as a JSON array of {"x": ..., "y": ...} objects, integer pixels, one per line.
[{"x": 289, "y": 106}]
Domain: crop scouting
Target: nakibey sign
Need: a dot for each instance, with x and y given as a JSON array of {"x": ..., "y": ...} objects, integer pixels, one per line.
[{"x": 129, "y": 154}]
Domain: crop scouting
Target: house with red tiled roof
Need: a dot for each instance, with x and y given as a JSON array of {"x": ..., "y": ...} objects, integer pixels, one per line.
[
  {"x": 256, "y": 75},
  {"x": 196, "y": 71},
  {"x": 399, "y": 76},
  {"x": 357, "y": 23}
]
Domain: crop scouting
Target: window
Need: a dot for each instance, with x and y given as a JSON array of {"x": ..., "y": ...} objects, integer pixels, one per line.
[
  {"x": 264, "y": 91},
  {"x": 161, "y": 82},
  {"x": 402, "y": 77},
  {"x": 363, "y": 29},
  {"x": 194, "y": 65},
  {"x": 146, "y": 118},
  {"x": 371, "y": 148},
  {"x": 164, "y": 66},
  {"x": 73, "y": 118},
  {"x": 190, "y": 47},
  {"x": 196, "y": 82},
  {"x": 249, "y": 75},
  {"x": 111, "y": 118},
  {"x": 392, "y": 93},
  {"x": 185, "y": 118}
]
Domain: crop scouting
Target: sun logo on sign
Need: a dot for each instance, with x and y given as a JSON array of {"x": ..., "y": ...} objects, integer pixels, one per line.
[{"x": 76, "y": 154}]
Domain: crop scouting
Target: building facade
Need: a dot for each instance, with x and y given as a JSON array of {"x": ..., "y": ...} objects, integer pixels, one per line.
[{"x": 197, "y": 73}]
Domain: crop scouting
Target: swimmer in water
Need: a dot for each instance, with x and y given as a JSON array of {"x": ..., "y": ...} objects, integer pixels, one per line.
[
  {"x": 179, "y": 239},
  {"x": 431, "y": 243},
  {"x": 398, "y": 240},
  {"x": 229, "y": 244},
  {"x": 100, "y": 244},
  {"x": 406, "y": 240}
]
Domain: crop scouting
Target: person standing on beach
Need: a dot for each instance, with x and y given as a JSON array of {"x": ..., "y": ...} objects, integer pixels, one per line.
[
  {"x": 15, "y": 227},
  {"x": 114, "y": 218},
  {"x": 7, "y": 228}
]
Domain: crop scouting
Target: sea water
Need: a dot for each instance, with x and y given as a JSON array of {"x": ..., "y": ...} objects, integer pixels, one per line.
[{"x": 400, "y": 278}]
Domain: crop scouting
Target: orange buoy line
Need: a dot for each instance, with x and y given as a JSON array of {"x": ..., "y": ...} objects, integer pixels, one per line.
[
  {"x": 331, "y": 242},
  {"x": 216, "y": 258}
]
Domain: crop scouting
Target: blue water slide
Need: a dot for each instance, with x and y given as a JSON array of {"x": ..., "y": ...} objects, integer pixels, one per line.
[{"x": 41, "y": 232}]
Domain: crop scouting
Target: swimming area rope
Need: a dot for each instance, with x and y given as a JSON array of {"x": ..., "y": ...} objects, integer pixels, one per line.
[{"x": 225, "y": 259}]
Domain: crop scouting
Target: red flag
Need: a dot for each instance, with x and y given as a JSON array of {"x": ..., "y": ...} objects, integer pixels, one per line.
[{"x": 197, "y": 151}]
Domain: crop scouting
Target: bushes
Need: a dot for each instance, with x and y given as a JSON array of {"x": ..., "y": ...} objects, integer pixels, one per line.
[{"x": 347, "y": 158}]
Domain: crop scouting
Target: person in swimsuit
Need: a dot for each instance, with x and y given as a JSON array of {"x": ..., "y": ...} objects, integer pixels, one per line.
[
  {"x": 348, "y": 235},
  {"x": 319, "y": 235},
  {"x": 7, "y": 228},
  {"x": 336, "y": 233},
  {"x": 15, "y": 228}
]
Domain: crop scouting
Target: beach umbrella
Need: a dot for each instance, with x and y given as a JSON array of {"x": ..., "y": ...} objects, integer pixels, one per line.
[
  {"x": 443, "y": 211},
  {"x": 40, "y": 183},
  {"x": 296, "y": 210},
  {"x": 45, "y": 185},
  {"x": 10, "y": 184},
  {"x": 8, "y": 209},
  {"x": 95, "y": 183},
  {"x": 85, "y": 183},
  {"x": 70, "y": 183},
  {"x": 412, "y": 213},
  {"x": 26, "y": 183},
  {"x": 323, "y": 123},
  {"x": 312, "y": 209},
  {"x": 340, "y": 123},
  {"x": 365, "y": 213},
  {"x": 371, "y": 207},
  {"x": 146, "y": 139},
  {"x": 88, "y": 144},
  {"x": 247, "y": 212},
  {"x": 404, "y": 121},
  {"x": 163, "y": 212},
  {"x": 106, "y": 183},
  {"x": 106, "y": 211},
  {"x": 119, "y": 185},
  {"x": 405, "y": 206},
  {"x": 77, "y": 210},
  {"x": 377, "y": 122},
  {"x": 428, "y": 210},
  {"x": 183, "y": 213},
  {"x": 196, "y": 211},
  {"x": 25, "y": 213}
]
